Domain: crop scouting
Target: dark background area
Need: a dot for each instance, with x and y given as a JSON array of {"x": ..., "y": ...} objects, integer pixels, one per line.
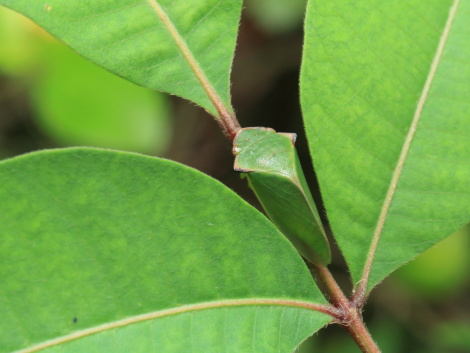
[{"x": 423, "y": 307}]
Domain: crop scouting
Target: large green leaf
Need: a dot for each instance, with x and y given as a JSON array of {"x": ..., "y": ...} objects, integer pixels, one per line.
[
  {"x": 114, "y": 252},
  {"x": 385, "y": 88},
  {"x": 180, "y": 47}
]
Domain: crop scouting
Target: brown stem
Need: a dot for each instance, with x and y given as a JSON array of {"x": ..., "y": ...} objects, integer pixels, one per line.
[
  {"x": 337, "y": 297},
  {"x": 325, "y": 309},
  {"x": 350, "y": 316},
  {"x": 229, "y": 124},
  {"x": 359, "y": 332},
  {"x": 359, "y": 296}
]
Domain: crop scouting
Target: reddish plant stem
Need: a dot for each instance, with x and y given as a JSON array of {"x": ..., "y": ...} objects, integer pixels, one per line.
[
  {"x": 350, "y": 316},
  {"x": 359, "y": 332},
  {"x": 229, "y": 124},
  {"x": 359, "y": 296},
  {"x": 337, "y": 297}
]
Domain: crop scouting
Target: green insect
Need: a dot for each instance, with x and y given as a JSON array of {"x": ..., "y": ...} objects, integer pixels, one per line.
[{"x": 272, "y": 167}]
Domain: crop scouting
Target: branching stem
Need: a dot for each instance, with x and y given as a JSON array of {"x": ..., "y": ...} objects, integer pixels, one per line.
[{"x": 349, "y": 316}]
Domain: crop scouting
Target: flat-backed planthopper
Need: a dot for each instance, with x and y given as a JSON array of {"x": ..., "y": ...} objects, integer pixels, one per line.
[{"x": 269, "y": 161}]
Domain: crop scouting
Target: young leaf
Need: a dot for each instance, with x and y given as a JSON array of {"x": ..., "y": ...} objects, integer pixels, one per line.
[
  {"x": 272, "y": 167},
  {"x": 385, "y": 87},
  {"x": 115, "y": 252},
  {"x": 180, "y": 47}
]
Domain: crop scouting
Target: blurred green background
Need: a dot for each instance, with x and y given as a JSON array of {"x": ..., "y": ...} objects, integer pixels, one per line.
[{"x": 50, "y": 97}]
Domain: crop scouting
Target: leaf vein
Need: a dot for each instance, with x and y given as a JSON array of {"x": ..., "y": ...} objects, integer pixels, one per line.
[
  {"x": 223, "y": 113},
  {"x": 405, "y": 150},
  {"x": 191, "y": 308}
]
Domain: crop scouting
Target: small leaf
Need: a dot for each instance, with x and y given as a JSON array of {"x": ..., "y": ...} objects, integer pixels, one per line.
[
  {"x": 385, "y": 87},
  {"x": 275, "y": 175},
  {"x": 116, "y": 252},
  {"x": 180, "y": 47}
]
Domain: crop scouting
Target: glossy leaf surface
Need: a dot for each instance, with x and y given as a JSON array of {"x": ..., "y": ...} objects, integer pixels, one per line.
[
  {"x": 385, "y": 87},
  {"x": 114, "y": 252},
  {"x": 161, "y": 44},
  {"x": 272, "y": 167}
]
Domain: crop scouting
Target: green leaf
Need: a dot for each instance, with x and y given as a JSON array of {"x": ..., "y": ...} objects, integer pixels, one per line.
[
  {"x": 183, "y": 48},
  {"x": 78, "y": 103},
  {"x": 385, "y": 87},
  {"x": 115, "y": 252},
  {"x": 273, "y": 169}
]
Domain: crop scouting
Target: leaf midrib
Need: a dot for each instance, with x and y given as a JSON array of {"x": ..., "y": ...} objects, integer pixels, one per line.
[
  {"x": 363, "y": 284},
  {"x": 193, "y": 64},
  {"x": 174, "y": 311}
]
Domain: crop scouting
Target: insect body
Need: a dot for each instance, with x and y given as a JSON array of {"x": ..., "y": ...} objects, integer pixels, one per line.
[{"x": 272, "y": 167}]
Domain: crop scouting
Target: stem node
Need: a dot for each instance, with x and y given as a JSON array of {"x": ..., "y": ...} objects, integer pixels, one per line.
[{"x": 350, "y": 316}]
